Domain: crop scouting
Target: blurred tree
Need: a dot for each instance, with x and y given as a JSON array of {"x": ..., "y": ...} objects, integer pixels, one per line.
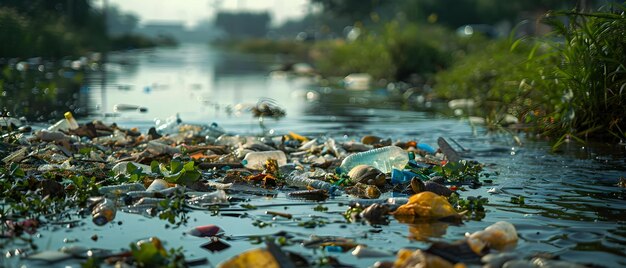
[
  {"x": 53, "y": 27},
  {"x": 355, "y": 10},
  {"x": 243, "y": 24},
  {"x": 454, "y": 13},
  {"x": 119, "y": 23}
]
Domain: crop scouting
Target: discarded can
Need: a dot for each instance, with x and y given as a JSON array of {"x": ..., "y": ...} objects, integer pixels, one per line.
[{"x": 103, "y": 211}]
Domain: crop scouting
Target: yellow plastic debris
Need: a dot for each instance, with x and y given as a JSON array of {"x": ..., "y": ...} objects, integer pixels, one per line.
[
  {"x": 420, "y": 259},
  {"x": 255, "y": 258},
  {"x": 426, "y": 205},
  {"x": 297, "y": 137}
]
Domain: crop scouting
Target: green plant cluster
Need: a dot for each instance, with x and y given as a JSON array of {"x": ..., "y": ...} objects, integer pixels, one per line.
[
  {"x": 394, "y": 52},
  {"x": 567, "y": 85},
  {"x": 463, "y": 171}
]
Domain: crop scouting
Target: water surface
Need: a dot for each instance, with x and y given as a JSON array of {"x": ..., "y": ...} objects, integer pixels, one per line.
[{"x": 573, "y": 208}]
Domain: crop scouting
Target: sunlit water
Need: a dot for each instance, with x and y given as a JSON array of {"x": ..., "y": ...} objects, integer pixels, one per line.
[{"x": 572, "y": 207}]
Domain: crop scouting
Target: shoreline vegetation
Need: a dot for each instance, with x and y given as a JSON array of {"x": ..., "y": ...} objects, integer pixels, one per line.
[{"x": 567, "y": 85}]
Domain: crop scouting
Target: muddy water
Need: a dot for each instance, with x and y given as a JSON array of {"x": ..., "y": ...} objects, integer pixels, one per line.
[{"x": 572, "y": 207}]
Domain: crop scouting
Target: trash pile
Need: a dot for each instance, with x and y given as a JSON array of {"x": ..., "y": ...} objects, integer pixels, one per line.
[{"x": 98, "y": 170}]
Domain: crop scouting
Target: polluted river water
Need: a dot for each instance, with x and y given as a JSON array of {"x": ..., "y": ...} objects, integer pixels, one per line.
[{"x": 572, "y": 207}]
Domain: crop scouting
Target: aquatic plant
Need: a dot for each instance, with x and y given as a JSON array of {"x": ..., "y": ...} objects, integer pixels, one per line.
[{"x": 592, "y": 73}]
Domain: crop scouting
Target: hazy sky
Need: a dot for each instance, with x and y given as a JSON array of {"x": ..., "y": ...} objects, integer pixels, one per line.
[{"x": 191, "y": 11}]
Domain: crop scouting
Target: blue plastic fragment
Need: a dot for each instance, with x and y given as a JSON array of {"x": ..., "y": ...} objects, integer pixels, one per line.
[
  {"x": 401, "y": 176},
  {"x": 333, "y": 249},
  {"x": 427, "y": 148}
]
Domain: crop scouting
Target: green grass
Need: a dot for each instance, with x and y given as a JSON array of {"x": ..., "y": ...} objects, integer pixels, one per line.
[{"x": 568, "y": 85}]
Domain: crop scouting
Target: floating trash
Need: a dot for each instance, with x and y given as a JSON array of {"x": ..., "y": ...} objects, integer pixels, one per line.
[{"x": 206, "y": 231}]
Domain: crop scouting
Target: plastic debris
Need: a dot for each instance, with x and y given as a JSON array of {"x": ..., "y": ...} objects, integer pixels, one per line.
[
  {"x": 384, "y": 159},
  {"x": 448, "y": 151},
  {"x": 500, "y": 236},
  {"x": 402, "y": 176},
  {"x": 427, "y": 205},
  {"x": 103, "y": 211},
  {"x": 206, "y": 231},
  {"x": 364, "y": 191},
  {"x": 296, "y": 179},
  {"x": 418, "y": 258},
  {"x": 256, "y": 160},
  {"x": 364, "y": 252}
]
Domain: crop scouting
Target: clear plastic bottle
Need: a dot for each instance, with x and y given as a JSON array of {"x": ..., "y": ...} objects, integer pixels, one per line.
[
  {"x": 384, "y": 159},
  {"x": 256, "y": 160},
  {"x": 169, "y": 125},
  {"x": 66, "y": 124},
  {"x": 118, "y": 190},
  {"x": 301, "y": 180},
  {"x": 230, "y": 141},
  {"x": 103, "y": 211}
]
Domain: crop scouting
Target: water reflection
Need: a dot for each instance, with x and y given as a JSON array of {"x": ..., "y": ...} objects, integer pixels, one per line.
[{"x": 42, "y": 90}]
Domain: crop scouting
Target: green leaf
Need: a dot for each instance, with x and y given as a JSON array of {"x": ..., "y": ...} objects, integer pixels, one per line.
[
  {"x": 16, "y": 170},
  {"x": 189, "y": 166},
  {"x": 188, "y": 177},
  {"x": 176, "y": 166},
  {"x": 131, "y": 168},
  {"x": 154, "y": 167}
]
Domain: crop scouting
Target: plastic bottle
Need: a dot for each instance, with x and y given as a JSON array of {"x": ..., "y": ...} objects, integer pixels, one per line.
[
  {"x": 301, "y": 180},
  {"x": 384, "y": 159},
  {"x": 256, "y": 160},
  {"x": 213, "y": 131},
  {"x": 169, "y": 125},
  {"x": 230, "y": 141},
  {"x": 118, "y": 190},
  {"x": 66, "y": 124},
  {"x": 158, "y": 148},
  {"x": 103, "y": 211}
]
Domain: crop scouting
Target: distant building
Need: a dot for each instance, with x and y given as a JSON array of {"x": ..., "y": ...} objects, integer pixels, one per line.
[
  {"x": 201, "y": 33},
  {"x": 162, "y": 28}
]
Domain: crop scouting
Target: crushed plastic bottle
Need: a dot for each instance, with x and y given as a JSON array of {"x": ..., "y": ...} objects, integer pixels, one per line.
[
  {"x": 118, "y": 190},
  {"x": 103, "y": 211},
  {"x": 256, "y": 160},
  {"x": 66, "y": 124},
  {"x": 169, "y": 125},
  {"x": 212, "y": 132},
  {"x": 216, "y": 197},
  {"x": 230, "y": 141},
  {"x": 301, "y": 180},
  {"x": 384, "y": 159},
  {"x": 159, "y": 148}
]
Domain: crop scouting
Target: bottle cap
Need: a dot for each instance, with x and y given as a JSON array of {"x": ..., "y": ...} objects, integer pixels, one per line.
[{"x": 68, "y": 115}]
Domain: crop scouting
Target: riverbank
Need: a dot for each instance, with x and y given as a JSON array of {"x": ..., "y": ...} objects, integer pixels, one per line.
[{"x": 546, "y": 86}]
